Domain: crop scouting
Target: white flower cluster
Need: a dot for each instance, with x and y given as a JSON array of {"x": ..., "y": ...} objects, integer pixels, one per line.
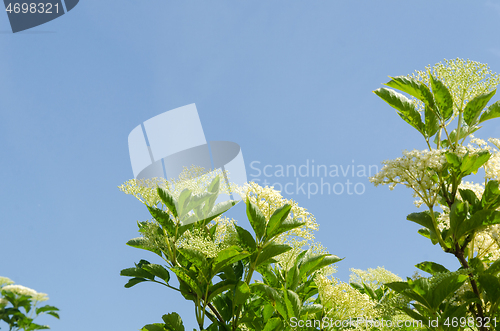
[
  {"x": 341, "y": 301},
  {"x": 374, "y": 278},
  {"x": 3, "y": 302},
  {"x": 22, "y": 290},
  {"x": 196, "y": 179},
  {"x": 414, "y": 170},
  {"x": 5, "y": 281},
  {"x": 464, "y": 78},
  {"x": 268, "y": 200},
  {"x": 225, "y": 236}
]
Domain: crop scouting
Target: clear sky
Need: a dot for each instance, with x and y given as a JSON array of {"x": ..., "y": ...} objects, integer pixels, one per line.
[{"x": 289, "y": 81}]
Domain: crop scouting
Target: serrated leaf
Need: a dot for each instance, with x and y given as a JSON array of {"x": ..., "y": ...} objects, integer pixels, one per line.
[
  {"x": 135, "y": 281},
  {"x": 431, "y": 122},
  {"x": 256, "y": 218},
  {"x": 458, "y": 213},
  {"x": 186, "y": 278},
  {"x": 136, "y": 272},
  {"x": 153, "y": 327},
  {"x": 414, "y": 88},
  {"x": 493, "y": 111},
  {"x": 195, "y": 257},
  {"x": 310, "y": 309},
  {"x": 475, "y": 106},
  {"x": 431, "y": 267},
  {"x": 444, "y": 289},
  {"x": 158, "y": 270},
  {"x": 442, "y": 98},
  {"x": 227, "y": 257},
  {"x": 246, "y": 238},
  {"x": 271, "y": 250},
  {"x": 173, "y": 322},
  {"x": 491, "y": 195},
  {"x": 478, "y": 221},
  {"x": 163, "y": 218},
  {"x": 423, "y": 219},
  {"x": 292, "y": 278},
  {"x": 277, "y": 218},
  {"x": 183, "y": 202},
  {"x": 292, "y": 302},
  {"x": 273, "y": 324},
  {"x": 241, "y": 293},
  {"x": 141, "y": 242},
  {"x": 219, "y": 288},
  {"x": 312, "y": 263},
  {"x": 168, "y": 200},
  {"x": 406, "y": 109}
]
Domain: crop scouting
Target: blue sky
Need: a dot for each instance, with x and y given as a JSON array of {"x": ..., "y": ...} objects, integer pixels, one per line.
[{"x": 289, "y": 81}]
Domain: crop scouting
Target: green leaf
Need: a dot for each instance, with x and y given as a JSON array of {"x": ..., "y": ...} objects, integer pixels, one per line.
[
  {"x": 399, "y": 287},
  {"x": 137, "y": 272},
  {"x": 491, "y": 285},
  {"x": 168, "y": 200},
  {"x": 458, "y": 213},
  {"x": 494, "y": 268},
  {"x": 195, "y": 257},
  {"x": 491, "y": 195},
  {"x": 292, "y": 278},
  {"x": 470, "y": 197},
  {"x": 157, "y": 270},
  {"x": 406, "y": 109},
  {"x": 475, "y": 106},
  {"x": 47, "y": 308},
  {"x": 273, "y": 324},
  {"x": 442, "y": 97},
  {"x": 227, "y": 257},
  {"x": 287, "y": 225},
  {"x": 271, "y": 250},
  {"x": 163, "y": 218},
  {"x": 453, "y": 159},
  {"x": 312, "y": 263},
  {"x": 423, "y": 218},
  {"x": 218, "y": 288},
  {"x": 444, "y": 289},
  {"x": 141, "y": 242},
  {"x": 431, "y": 267},
  {"x": 246, "y": 238},
  {"x": 292, "y": 302},
  {"x": 272, "y": 296},
  {"x": 241, "y": 293},
  {"x": 416, "y": 316},
  {"x": 183, "y": 202},
  {"x": 173, "y": 322},
  {"x": 153, "y": 327},
  {"x": 414, "y": 88},
  {"x": 424, "y": 232},
  {"x": 135, "y": 281},
  {"x": 493, "y": 111},
  {"x": 218, "y": 210},
  {"x": 186, "y": 278},
  {"x": 478, "y": 221},
  {"x": 256, "y": 218},
  {"x": 310, "y": 309},
  {"x": 277, "y": 218},
  {"x": 431, "y": 122},
  {"x": 471, "y": 163}
]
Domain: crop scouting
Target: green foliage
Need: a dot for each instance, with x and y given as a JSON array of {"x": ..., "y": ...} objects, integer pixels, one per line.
[
  {"x": 220, "y": 284},
  {"x": 19, "y": 306},
  {"x": 461, "y": 91}
]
